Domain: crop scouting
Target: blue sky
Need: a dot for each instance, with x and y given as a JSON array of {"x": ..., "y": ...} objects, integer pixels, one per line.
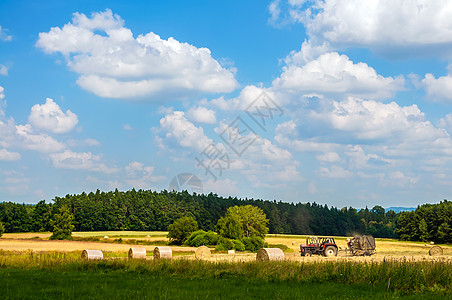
[{"x": 345, "y": 103}]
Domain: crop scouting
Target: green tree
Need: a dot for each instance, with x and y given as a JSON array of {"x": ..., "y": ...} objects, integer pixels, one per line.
[
  {"x": 230, "y": 227},
  {"x": 2, "y": 229},
  {"x": 252, "y": 220},
  {"x": 423, "y": 230},
  {"x": 181, "y": 229},
  {"x": 62, "y": 225}
]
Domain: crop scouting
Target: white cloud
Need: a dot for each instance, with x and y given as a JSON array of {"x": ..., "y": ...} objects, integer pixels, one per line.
[
  {"x": 185, "y": 133},
  {"x": 127, "y": 127},
  {"x": 41, "y": 142},
  {"x": 328, "y": 157},
  {"x": 49, "y": 117},
  {"x": 374, "y": 121},
  {"x": 225, "y": 187},
  {"x": 438, "y": 89},
  {"x": 141, "y": 176},
  {"x": 335, "y": 73},
  {"x": 81, "y": 143},
  {"x": 202, "y": 115},
  {"x": 386, "y": 25},
  {"x": 6, "y": 155},
  {"x": 80, "y": 161},
  {"x": 335, "y": 172},
  {"x": 117, "y": 65},
  {"x": 3, "y": 70},
  {"x": 247, "y": 96},
  {"x": 4, "y": 36}
]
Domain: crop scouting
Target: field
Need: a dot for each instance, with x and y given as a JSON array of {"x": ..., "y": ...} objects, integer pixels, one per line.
[{"x": 53, "y": 269}]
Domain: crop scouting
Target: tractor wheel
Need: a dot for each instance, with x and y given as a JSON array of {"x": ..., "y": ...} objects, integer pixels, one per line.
[
  {"x": 307, "y": 254},
  {"x": 330, "y": 251}
]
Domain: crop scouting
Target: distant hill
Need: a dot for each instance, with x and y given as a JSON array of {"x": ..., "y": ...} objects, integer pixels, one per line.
[{"x": 398, "y": 209}]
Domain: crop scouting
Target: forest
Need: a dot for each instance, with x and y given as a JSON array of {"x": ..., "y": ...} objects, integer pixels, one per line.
[{"x": 152, "y": 210}]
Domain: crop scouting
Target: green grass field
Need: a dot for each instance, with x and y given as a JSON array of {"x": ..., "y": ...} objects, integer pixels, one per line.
[{"x": 64, "y": 276}]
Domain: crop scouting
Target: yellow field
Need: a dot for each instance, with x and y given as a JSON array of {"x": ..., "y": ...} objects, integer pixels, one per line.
[{"x": 38, "y": 242}]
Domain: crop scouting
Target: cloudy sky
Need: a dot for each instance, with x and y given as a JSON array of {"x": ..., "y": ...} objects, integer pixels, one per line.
[{"x": 342, "y": 102}]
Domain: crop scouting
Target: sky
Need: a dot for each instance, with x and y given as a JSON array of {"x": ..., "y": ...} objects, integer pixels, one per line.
[{"x": 338, "y": 102}]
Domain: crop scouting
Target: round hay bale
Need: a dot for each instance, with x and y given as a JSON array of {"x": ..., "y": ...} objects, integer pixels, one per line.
[
  {"x": 231, "y": 251},
  {"x": 267, "y": 254},
  {"x": 92, "y": 254},
  {"x": 435, "y": 251},
  {"x": 202, "y": 252},
  {"x": 163, "y": 252},
  {"x": 106, "y": 237},
  {"x": 137, "y": 252}
]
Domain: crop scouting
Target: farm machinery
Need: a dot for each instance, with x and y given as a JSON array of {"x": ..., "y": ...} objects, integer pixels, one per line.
[
  {"x": 363, "y": 245},
  {"x": 325, "y": 246}
]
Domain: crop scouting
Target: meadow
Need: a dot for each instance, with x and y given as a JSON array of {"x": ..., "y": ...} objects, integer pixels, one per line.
[{"x": 53, "y": 269}]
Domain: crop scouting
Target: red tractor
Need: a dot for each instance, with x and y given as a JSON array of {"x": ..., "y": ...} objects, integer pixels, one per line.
[{"x": 325, "y": 246}]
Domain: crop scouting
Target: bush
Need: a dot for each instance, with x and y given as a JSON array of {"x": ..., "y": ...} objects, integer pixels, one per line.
[
  {"x": 238, "y": 245},
  {"x": 229, "y": 244},
  {"x": 2, "y": 229},
  {"x": 224, "y": 244},
  {"x": 181, "y": 229},
  {"x": 200, "y": 238},
  {"x": 254, "y": 243}
]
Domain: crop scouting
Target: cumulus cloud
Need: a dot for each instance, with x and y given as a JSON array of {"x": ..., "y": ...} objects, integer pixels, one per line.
[
  {"x": 202, "y": 115},
  {"x": 50, "y": 117},
  {"x": 80, "y": 161},
  {"x": 41, "y": 142},
  {"x": 113, "y": 63},
  {"x": 335, "y": 73},
  {"x": 177, "y": 128},
  {"x": 6, "y": 155},
  {"x": 387, "y": 26},
  {"x": 4, "y": 36},
  {"x": 438, "y": 89}
]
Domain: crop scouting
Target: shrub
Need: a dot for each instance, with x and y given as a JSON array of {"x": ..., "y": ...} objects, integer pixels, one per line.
[
  {"x": 181, "y": 229},
  {"x": 224, "y": 244},
  {"x": 200, "y": 238},
  {"x": 238, "y": 245},
  {"x": 254, "y": 243}
]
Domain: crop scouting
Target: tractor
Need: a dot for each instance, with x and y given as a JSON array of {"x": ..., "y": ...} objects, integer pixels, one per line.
[{"x": 325, "y": 246}]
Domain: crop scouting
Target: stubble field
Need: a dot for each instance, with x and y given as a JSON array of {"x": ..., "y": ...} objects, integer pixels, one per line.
[{"x": 53, "y": 269}]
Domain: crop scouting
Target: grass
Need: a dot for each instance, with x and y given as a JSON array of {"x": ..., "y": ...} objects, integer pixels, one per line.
[{"x": 51, "y": 275}]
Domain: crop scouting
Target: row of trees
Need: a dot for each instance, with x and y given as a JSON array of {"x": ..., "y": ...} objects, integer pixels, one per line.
[
  {"x": 150, "y": 210},
  {"x": 429, "y": 222}
]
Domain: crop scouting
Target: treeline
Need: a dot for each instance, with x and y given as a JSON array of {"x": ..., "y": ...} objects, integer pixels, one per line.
[
  {"x": 151, "y": 210},
  {"x": 429, "y": 222}
]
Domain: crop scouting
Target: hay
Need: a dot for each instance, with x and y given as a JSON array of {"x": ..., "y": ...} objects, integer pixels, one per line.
[
  {"x": 267, "y": 254},
  {"x": 137, "y": 252},
  {"x": 92, "y": 254},
  {"x": 231, "y": 251},
  {"x": 435, "y": 251},
  {"x": 202, "y": 253},
  {"x": 163, "y": 252}
]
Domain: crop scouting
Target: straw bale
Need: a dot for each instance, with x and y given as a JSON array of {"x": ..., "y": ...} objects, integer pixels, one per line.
[
  {"x": 267, "y": 254},
  {"x": 202, "y": 252},
  {"x": 137, "y": 252},
  {"x": 163, "y": 252},
  {"x": 231, "y": 251},
  {"x": 435, "y": 251},
  {"x": 92, "y": 254}
]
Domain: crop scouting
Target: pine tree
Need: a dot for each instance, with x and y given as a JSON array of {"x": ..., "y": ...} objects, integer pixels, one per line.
[{"x": 62, "y": 225}]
